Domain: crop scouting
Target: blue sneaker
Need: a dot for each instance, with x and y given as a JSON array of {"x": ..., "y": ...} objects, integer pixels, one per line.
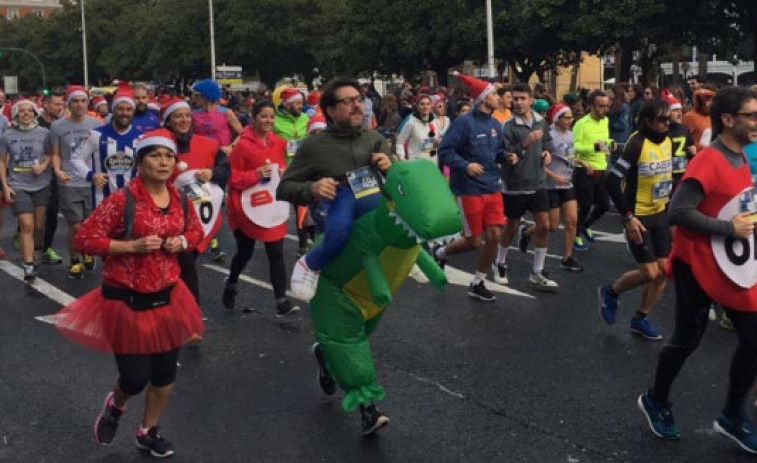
[
  {"x": 588, "y": 234},
  {"x": 740, "y": 430},
  {"x": 659, "y": 416},
  {"x": 579, "y": 244},
  {"x": 644, "y": 328},
  {"x": 608, "y": 305}
]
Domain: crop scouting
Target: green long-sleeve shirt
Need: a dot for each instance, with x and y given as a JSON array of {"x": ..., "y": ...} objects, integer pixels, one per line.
[
  {"x": 331, "y": 153},
  {"x": 586, "y": 132}
]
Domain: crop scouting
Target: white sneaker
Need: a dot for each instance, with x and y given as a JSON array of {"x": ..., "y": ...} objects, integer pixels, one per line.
[
  {"x": 500, "y": 274},
  {"x": 417, "y": 274},
  {"x": 542, "y": 282},
  {"x": 304, "y": 281}
]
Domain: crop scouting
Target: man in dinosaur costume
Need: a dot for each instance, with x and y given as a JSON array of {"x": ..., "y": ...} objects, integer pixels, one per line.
[{"x": 358, "y": 284}]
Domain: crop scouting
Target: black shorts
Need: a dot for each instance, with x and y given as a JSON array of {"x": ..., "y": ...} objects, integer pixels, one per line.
[
  {"x": 558, "y": 197},
  {"x": 517, "y": 205},
  {"x": 657, "y": 239}
]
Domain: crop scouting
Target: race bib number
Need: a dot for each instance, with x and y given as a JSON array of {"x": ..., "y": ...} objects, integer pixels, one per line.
[
  {"x": 737, "y": 257},
  {"x": 662, "y": 189},
  {"x": 292, "y": 147},
  {"x": 119, "y": 164},
  {"x": 679, "y": 164},
  {"x": 363, "y": 182},
  {"x": 427, "y": 145},
  {"x": 260, "y": 205},
  {"x": 206, "y": 198}
]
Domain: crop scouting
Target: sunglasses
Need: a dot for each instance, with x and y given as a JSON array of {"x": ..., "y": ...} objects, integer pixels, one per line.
[
  {"x": 752, "y": 116},
  {"x": 663, "y": 119}
]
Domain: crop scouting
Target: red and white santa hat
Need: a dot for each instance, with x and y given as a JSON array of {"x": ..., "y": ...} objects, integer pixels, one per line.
[
  {"x": 556, "y": 111},
  {"x": 98, "y": 100},
  {"x": 290, "y": 95},
  {"x": 17, "y": 107},
  {"x": 153, "y": 104},
  {"x": 157, "y": 137},
  {"x": 317, "y": 122},
  {"x": 72, "y": 91},
  {"x": 171, "y": 105},
  {"x": 672, "y": 101},
  {"x": 124, "y": 94},
  {"x": 478, "y": 88}
]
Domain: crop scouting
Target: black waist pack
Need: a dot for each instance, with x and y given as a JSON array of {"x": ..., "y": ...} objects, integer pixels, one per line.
[{"x": 136, "y": 300}]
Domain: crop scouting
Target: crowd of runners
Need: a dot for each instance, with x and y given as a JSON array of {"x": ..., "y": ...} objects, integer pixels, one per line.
[{"x": 145, "y": 179}]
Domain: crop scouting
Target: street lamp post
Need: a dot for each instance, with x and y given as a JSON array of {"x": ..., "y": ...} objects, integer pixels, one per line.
[
  {"x": 212, "y": 42},
  {"x": 41, "y": 66},
  {"x": 84, "y": 45},
  {"x": 490, "y": 38}
]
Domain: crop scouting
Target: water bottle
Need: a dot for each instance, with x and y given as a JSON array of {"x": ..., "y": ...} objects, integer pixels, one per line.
[{"x": 267, "y": 178}]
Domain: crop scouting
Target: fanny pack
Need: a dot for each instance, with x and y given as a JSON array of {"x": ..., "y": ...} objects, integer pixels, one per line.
[{"x": 136, "y": 300}]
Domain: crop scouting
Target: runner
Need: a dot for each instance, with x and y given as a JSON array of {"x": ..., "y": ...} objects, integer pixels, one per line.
[
  {"x": 683, "y": 144},
  {"x": 713, "y": 211},
  {"x": 471, "y": 149},
  {"x": 145, "y": 118},
  {"x": 697, "y": 119},
  {"x": 640, "y": 184},
  {"x": 562, "y": 196},
  {"x": 504, "y": 111},
  {"x": 528, "y": 144},
  {"x": 25, "y": 157},
  {"x": 54, "y": 106},
  {"x": 256, "y": 160},
  {"x": 75, "y": 196},
  {"x": 591, "y": 139},
  {"x": 143, "y": 313},
  {"x": 418, "y": 138},
  {"x": 440, "y": 114},
  {"x": 209, "y": 119}
]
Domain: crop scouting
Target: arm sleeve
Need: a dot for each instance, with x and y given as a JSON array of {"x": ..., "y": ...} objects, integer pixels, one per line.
[
  {"x": 449, "y": 151},
  {"x": 295, "y": 184},
  {"x": 402, "y": 138},
  {"x": 627, "y": 162},
  {"x": 241, "y": 179},
  {"x": 193, "y": 232},
  {"x": 683, "y": 211},
  {"x": 221, "y": 169},
  {"x": 580, "y": 145},
  {"x": 547, "y": 143}
]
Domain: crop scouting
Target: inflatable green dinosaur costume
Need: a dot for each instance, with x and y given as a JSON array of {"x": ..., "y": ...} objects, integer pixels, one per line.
[{"x": 355, "y": 288}]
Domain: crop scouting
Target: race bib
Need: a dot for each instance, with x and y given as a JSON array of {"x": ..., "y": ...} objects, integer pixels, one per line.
[
  {"x": 206, "y": 199},
  {"x": 292, "y": 147},
  {"x": 737, "y": 257},
  {"x": 260, "y": 205},
  {"x": 119, "y": 164},
  {"x": 427, "y": 145},
  {"x": 662, "y": 189},
  {"x": 679, "y": 164},
  {"x": 363, "y": 182}
]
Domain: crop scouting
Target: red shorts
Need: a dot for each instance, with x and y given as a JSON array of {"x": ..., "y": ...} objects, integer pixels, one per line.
[{"x": 480, "y": 212}]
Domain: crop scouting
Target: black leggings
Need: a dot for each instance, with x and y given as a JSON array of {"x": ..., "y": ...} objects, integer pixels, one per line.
[
  {"x": 136, "y": 370},
  {"x": 276, "y": 268},
  {"x": 691, "y": 316},
  {"x": 51, "y": 219},
  {"x": 593, "y": 200},
  {"x": 188, "y": 265}
]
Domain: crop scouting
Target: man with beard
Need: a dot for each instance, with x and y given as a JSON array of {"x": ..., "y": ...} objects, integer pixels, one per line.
[
  {"x": 145, "y": 119},
  {"x": 53, "y": 105},
  {"x": 318, "y": 174},
  {"x": 106, "y": 159}
]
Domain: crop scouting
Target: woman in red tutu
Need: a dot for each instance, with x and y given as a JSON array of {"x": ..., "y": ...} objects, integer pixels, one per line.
[{"x": 143, "y": 313}]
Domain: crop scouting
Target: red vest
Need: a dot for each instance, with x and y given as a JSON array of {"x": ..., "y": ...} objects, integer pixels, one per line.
[{"x": 719, "y": 276}]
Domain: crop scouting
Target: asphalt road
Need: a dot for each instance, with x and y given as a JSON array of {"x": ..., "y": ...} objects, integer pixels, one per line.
[{"x": 530, "y": 378}]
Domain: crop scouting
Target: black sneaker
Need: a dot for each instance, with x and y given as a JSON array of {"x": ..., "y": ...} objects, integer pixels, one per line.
[
  {"x": 440, "y": 262},
  {"x": 325, "y": 381},
  {"x": 285, "y": 307},
  {"x": 523, "y": 239},
  {"x": 480, "y": 292},
  {"x": 500, "y": 274},
  {"x": 229, "y": 294},
  {"x": 572, "y": 264},
  {"x": 106, "y": 422},
  {"x": 372, "y": 419},
  {"x": 29, "y": 273},
  {"x": 154, "y": 443}
]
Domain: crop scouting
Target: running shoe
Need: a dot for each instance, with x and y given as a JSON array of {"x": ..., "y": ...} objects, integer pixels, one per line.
[
  {"x": 215, "y": 251},
  {"x": 106, "y": 423},
  {"x": 324, "y": 379},
  {"x": 29, "y": 273},
  {"x": 153, "y": 442},
  {"x": 51, "y": 257},
  {"x": 644, "y": 328},
  {"x": 542, "y": 282},
  {"x": 439, "y": 261},
  {"x": 659, "y": 416},
  {"x": 725, "y": 322},
  {"x": 500, "y": 274},
  {"x": 739, "y": 430},
  {"x": 89, "y": 262},
  {"x": 304, "y": 281},
  {"x": 523, "y": 239},
  {"x": 372, "y": 419},
  {"x": 571, "y": 264},
  {"x": 579, "y": 244},
  {"x": 480, "y": 292},
  {"x": 229, "y": 295},
  {"x": 285, "y": 307},
  {"x": 608, "y": 305},
  {"x": 588, "y": 235},
  {"x": 76, "y": 271}
]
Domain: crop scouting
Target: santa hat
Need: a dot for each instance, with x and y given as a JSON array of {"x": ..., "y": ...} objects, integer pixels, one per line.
[
  {"x": 435, "y": 99},
  {"x": 124, "y": 94},
  {"x": 154, "y": 138},
  {"x": 556, "y": 111},
  {"x": 314, "y": 98},
  {"x": 478, "y": 88},
  {"x": 317, "y": 122},
  {"x": 208, "y": 89},
  {"x": 672, "y": 101},
  {"x": 153, "y": 104},
  {"x": 98, "y": 100},
  {"x": 170, "y": 105},
  {"x": 290, "y": 95},
  {"x": 17, "y": 107},
  {"x": 72, "y": 91}
]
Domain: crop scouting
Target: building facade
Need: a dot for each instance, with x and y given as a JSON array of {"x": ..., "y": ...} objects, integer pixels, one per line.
[{"x": 12, "y": 9}]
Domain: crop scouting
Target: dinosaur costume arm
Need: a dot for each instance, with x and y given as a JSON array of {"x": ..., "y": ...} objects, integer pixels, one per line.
[
  {"x": 380, "y": 291},
  {"x": 431, "y": 269}
]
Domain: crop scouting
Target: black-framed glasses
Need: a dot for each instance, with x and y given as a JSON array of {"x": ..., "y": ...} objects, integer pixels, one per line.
[
  {"x": 752, "y": 116},
  {"x": 349, "y": 101}
]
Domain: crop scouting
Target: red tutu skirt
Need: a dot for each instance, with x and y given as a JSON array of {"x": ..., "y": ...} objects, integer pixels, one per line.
[{"x": 112, "y": 326}]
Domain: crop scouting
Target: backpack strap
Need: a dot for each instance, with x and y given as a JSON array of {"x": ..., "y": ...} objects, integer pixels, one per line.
[
  {"x": 184, "y": 207},
  {"x": 129, "y": 207}
]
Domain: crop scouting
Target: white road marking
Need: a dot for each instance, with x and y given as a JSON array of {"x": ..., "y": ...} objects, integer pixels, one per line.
[
  {"x": 248, "y": 279},
  {"x": 442, "y": 388},
  {"x": 45, "y": 288}
]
